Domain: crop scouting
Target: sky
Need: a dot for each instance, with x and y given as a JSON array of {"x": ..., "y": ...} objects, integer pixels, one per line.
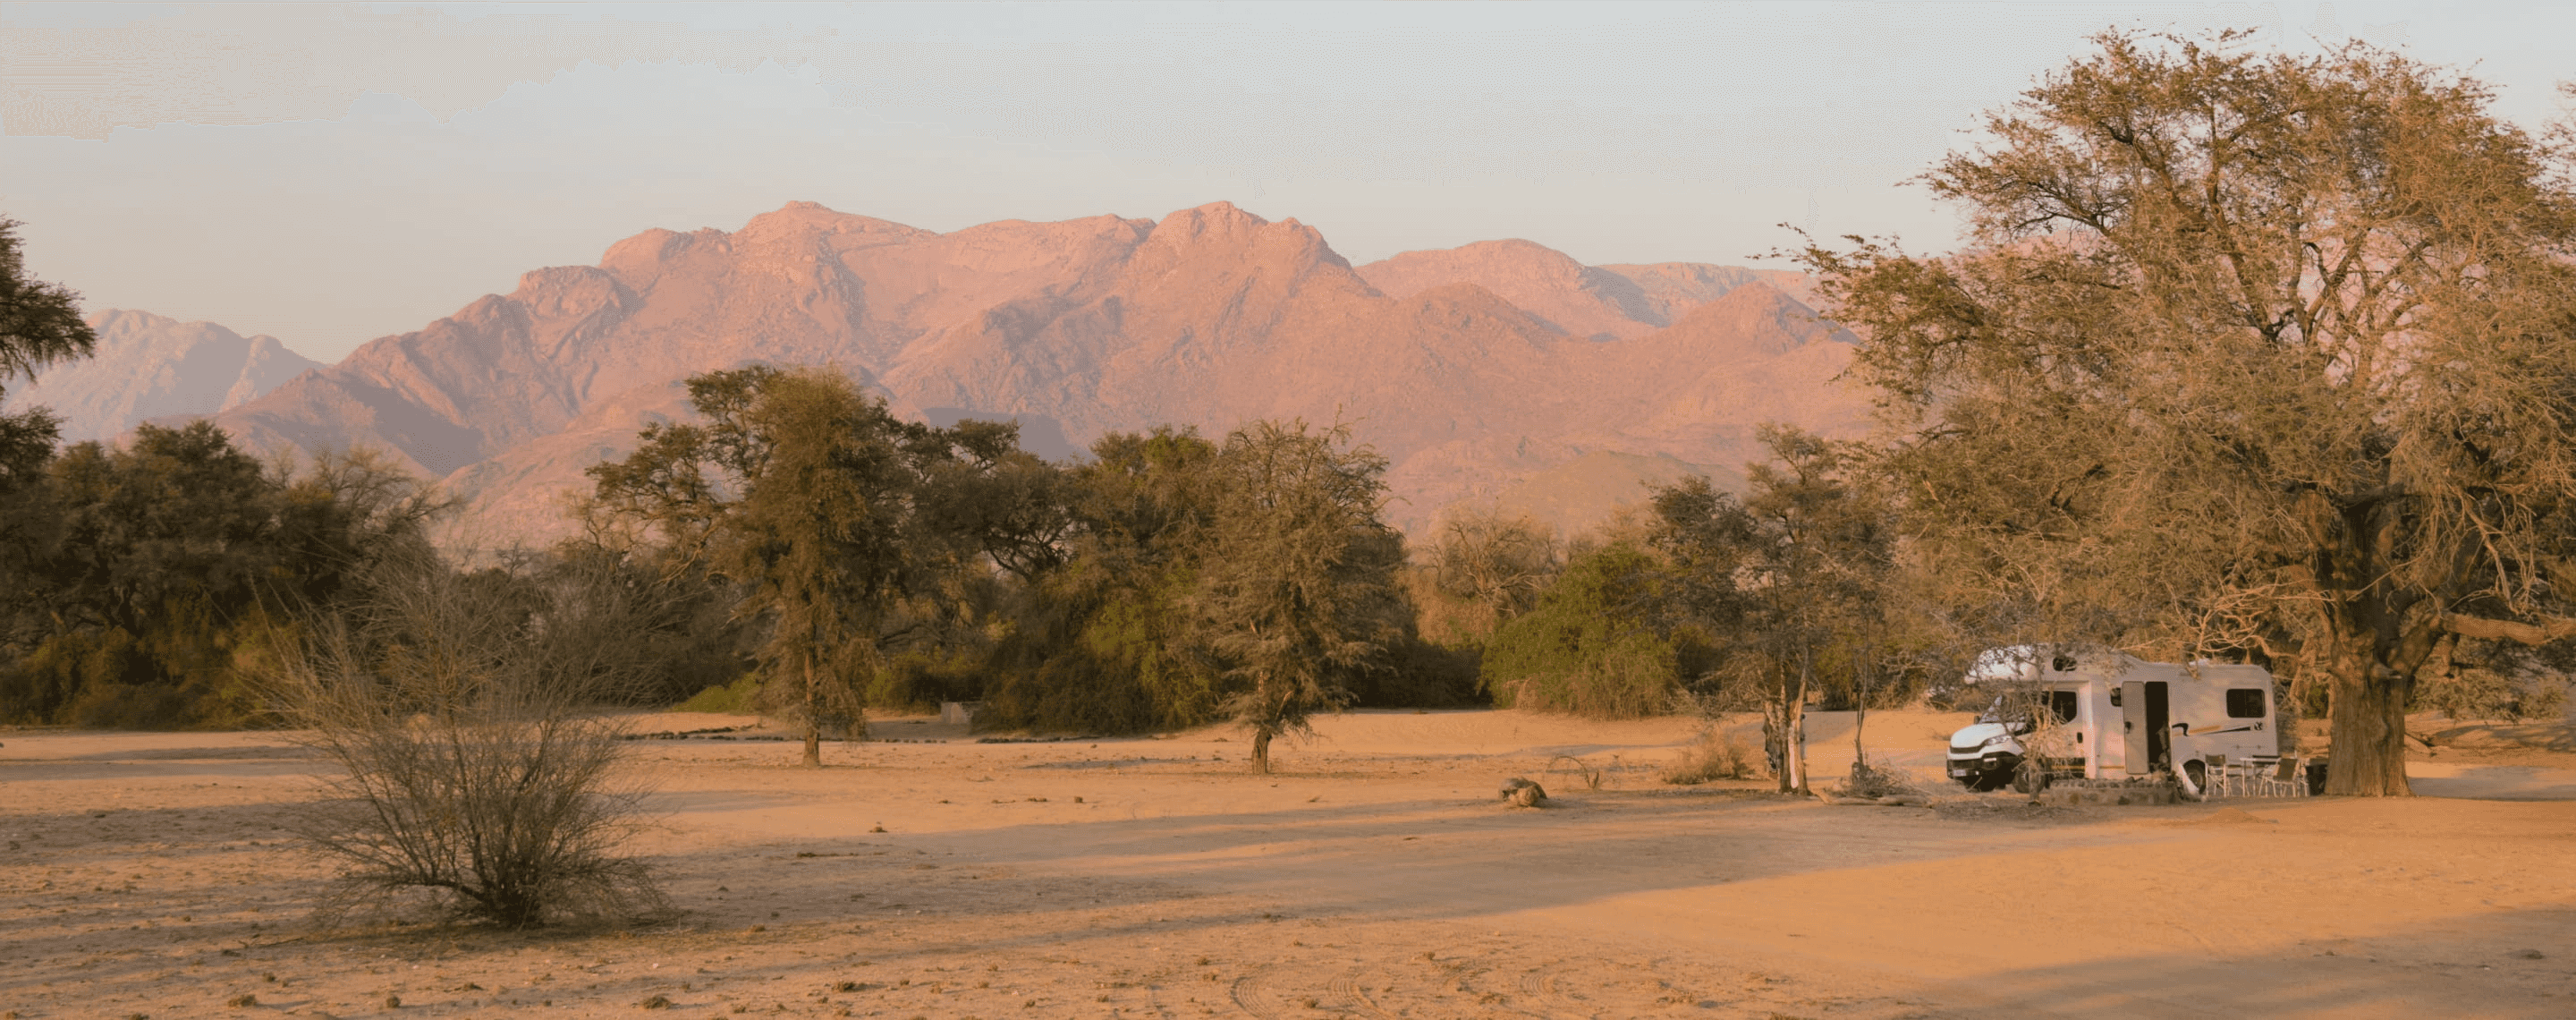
[{"x": 329, "y": 174}]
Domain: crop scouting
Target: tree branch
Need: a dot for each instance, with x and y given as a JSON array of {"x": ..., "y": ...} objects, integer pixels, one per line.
[{"x": 2544, "y": 632}]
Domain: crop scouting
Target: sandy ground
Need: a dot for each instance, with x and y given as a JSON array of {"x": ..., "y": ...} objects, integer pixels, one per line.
[{"x": 925, "y": 875}]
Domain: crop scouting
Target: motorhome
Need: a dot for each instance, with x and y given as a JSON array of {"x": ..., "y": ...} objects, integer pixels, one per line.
[{"x": 2105, "y": 716}]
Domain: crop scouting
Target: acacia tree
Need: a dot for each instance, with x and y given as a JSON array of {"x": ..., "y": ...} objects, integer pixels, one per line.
[
  {"x": 1106, "y": 641},
  {"x": 1297, "y": 589},
  {"x": 2251, "y": 354},
  {"x": 817, "y": 501},
  {"x": 1793, "y": 571}
]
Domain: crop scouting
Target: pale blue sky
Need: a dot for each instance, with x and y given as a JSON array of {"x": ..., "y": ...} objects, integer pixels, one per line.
[{"x": 330, "y": 174}]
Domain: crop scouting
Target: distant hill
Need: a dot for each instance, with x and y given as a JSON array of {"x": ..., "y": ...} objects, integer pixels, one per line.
[
  {"x": 1470, "y": 369},
  {"x": 147, "y": 366},
  {"x": 1590, "y": 490}
]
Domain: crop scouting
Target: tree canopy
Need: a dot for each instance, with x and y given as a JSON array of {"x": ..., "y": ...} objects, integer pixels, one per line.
[
  {"x": 1297, "y": 593},
  {"x": 40, "y": 322},
  {"x": 828, "y": 512},
  {"x": 2251, "y": 354}
]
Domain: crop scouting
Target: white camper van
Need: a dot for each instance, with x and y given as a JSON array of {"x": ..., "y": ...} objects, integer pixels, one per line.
[{"x": 2117, "y": 716}]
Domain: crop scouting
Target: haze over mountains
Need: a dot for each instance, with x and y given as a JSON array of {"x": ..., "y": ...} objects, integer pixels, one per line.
[
  {"x": 147, "y": 366},
  {"x": 1472, "y": 369}
]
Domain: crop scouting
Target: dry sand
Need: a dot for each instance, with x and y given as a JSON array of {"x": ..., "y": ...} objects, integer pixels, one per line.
[{"x": 146, "y": 874}]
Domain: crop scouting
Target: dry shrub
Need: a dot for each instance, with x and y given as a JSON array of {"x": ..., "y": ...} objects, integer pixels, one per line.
[
  {"x": 1869, "y": 779},
  {"x": 1713, "y": 756},
  {"x": 478, "y": 770}
]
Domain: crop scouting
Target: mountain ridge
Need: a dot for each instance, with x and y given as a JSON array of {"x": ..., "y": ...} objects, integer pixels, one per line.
[
  {"x": 1468, "y": 368},
  {"x": 150, "y": 366}
]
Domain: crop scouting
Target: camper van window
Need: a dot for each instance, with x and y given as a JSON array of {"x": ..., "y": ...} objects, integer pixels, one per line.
[
  {"x": 2245, "y": 703},
  {"x": 2063, "y": 703}
]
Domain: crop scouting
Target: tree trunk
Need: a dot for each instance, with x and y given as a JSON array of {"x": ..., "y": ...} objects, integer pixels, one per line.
[
  {"x": 813, "y": 723},
  {"x": 1860, "y": 717},
  {"x": 1796, "y": 734},
  {"x": 1261, "y": 750},
  {"x": 2369, "y": 726}
]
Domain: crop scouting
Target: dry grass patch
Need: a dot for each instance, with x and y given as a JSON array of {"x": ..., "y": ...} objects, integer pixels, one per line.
[{"x": 1713, "y": 757}]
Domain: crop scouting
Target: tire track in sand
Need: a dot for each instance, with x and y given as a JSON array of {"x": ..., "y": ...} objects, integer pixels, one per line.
[
  {"x": 1349, "y": 996},
  {"x": 1252, "y": 994}
]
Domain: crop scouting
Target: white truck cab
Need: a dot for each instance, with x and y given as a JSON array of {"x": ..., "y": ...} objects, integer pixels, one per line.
[{"x": 2112, "y": 715}]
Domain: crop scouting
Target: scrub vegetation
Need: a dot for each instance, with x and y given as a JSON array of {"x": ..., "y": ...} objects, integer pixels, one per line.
[{"x": 2249, "y": 357}]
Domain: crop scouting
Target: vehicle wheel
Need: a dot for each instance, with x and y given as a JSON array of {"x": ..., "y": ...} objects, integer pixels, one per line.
[
  {"x": 1988, "y": 780},
  {"x": 2199, "y": 772},
  {"x": 2030, "y": 779}
]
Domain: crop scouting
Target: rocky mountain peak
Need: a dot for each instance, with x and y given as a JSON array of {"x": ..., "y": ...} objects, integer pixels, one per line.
[{"x": 1468, "y": 368}]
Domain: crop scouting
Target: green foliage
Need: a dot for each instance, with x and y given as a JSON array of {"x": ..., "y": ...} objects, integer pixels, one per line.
[
  {"x": 1421, "y": 674},
  {"x": 39, "y": 322},
  {"x": 1793, "y": 577},
  {"x": 180, "y": 515},
  {"x": 919, "y": 679},
  {"x": 1296, "y": 592},
  {"x": 1104, "y": 642},
  {"x": 42, "y": 685},
  {"x": 741, "y": 697},
  {"x": 858, "y": 543},
  {"x": 1591, "y": 646},
  {"x": 1100, "y": 663},
  {"x": 1251, "y": 580},
  {"x": 149, "y": 572}
]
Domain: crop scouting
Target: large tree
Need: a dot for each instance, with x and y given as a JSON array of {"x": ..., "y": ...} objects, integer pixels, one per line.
[
  {"x": 2249, "y": 354},
  {"x": 1105, "y": 640},
  {"x": 1297, "y": 592},
  {"x": 1794, "y": 575},
  {"x": 825, "y": 509}
]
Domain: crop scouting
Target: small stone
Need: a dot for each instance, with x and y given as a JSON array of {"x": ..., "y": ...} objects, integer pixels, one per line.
[
  {"x": 393, "y": 1002},
  {"x": 2530, "y": 954},
  {"x": 242, "y": 1001},
  {"x": 656, "y": 1002}
]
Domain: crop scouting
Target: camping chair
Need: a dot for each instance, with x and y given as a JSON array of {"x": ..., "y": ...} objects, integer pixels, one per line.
[
  {"x": 2290, "y": 779},
  {"x": 2213, "y": 778}
]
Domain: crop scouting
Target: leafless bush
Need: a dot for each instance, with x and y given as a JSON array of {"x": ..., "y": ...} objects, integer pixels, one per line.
[
  {"x": 1869, "y": 779},
  {"x": 1592, "y": 776},
  {"x": 478, "y": 773}
]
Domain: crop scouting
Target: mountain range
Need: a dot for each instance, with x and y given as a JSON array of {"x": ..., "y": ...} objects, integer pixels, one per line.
[
  {"x": 147, "y": 366},
  {"x": 1477, "y": 371}
]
